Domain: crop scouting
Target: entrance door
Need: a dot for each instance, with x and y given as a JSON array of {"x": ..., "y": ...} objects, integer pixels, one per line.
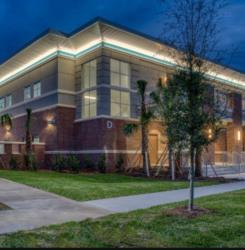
[{"x": 153, "y": 149}]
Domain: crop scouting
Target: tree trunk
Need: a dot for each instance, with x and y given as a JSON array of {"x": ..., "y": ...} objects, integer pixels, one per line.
[
  {"x": 144, "y": 151},
  {"x": 28, "y": 139},
  {"x": 173, "y": 166},
  {"x": 178, "y": 164},
  {"x": 198, "y": 162},
  {"x": 192, "y": 174},
  {"x": 170, "y": 162}
]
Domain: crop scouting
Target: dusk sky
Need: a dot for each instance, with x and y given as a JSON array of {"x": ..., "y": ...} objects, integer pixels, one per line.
[{"x": 22, "y": 20}]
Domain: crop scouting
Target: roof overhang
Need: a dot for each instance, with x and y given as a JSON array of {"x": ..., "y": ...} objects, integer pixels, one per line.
[{"x": 100, "y": 35}]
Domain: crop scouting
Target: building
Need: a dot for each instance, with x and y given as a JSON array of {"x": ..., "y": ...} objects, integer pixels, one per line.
[{"x": 82, "y": 90}]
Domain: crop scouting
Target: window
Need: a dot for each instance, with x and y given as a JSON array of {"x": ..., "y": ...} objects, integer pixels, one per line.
[
  {"x": 15, "y": 148},
  {"x": 120, "y": 103},
  {"x": 89, "y": 104},
  {"x": 8, "y": 101},
  {"x": 37, "y": 89},
  {"x": 2, "y": 103},
  {"x": 243, "y": 104},
  {"x": 27, "y": 93},
  {"x": 119, "y": 73},
  {"x": 36, "y": 139},
  {"x": 2, "y": 149},
  {"x": 222, "y": 99},
  {"x": 89, "y": 75}
]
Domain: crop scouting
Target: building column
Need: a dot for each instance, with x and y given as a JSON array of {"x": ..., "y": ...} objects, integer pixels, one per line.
[{"x": 234, "y": 129}]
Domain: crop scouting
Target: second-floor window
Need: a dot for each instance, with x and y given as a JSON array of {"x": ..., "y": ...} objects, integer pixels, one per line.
[
  {"x": 37, "y": 89},
  {"x": 8, "y": 101},
  {"x": 2, "y": 103},
  {"x": 27, "y": 93},
  {"x": 243, "y": 104},
  {"x": 89, "y": 104},
  {"x": 89, "y": 78},
  {"x": 120, "y": 73}
]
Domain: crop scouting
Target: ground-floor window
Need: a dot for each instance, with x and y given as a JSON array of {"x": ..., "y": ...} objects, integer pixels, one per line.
[
  {"x": 120, "y": 103},
  {"x": 15, "y": 148},
  {"x": 2, "y": 149}
]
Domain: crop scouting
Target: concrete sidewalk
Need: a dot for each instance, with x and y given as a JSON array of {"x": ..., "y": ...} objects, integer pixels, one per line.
[
  {"x": 135, "y": 202},
  {"x": 33, "y": 208}
]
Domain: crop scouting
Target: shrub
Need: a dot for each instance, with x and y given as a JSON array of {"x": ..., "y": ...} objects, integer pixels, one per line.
[
  {"x": 88, "y": 163},
  {"x": 120, "y": 164},
  {"x": 30, "y": 160},
  {"x": 73, "y": 163},
  {"x": 13, "y": 163},
  {"x": 102, "y": 164},
  {"x": 59, "y": 163}
]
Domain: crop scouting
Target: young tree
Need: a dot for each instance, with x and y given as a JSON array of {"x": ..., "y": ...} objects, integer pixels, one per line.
[
  {"x": 191, "y": 28},
  {"x": 145, "y": 118},
  {"x": 169, "y": 106}
]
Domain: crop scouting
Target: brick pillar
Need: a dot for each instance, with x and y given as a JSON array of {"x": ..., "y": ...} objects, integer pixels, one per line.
[{"x": 234, "y": 145}]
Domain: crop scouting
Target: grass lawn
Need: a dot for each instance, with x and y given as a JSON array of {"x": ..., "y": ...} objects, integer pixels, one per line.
[
  {"x": 224, "y": 227},
  {"x": 84, "y": 187}
]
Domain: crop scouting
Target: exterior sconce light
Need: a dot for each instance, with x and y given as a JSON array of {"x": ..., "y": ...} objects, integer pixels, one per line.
[
  {"x": 238, "y": 135},
  {"x": 7, "y": 128},
  {"x": 52, "y": 122},
  {"x": 210, "y": 134}
]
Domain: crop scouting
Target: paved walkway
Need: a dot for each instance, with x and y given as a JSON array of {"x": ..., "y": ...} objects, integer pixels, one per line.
[
  {"x": 131, "y": 203},
  {"x": 33, "y": 208}
]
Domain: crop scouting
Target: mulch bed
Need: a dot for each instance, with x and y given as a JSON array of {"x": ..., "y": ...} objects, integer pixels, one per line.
[
  {"x": 185, "y": 213},
  {"x": 3, "y": 207}
]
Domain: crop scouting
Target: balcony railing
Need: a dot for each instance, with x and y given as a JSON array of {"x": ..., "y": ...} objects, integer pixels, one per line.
[
  {"x": 223, "y": 158},
  {"x": 228, "y": 114}
]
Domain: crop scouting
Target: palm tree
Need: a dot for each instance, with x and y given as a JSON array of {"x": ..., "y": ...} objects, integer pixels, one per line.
[
  {"x": 144, "y": 120},
  {"x": 6, "y": 121},
  {"x": 28, "y": 138}
]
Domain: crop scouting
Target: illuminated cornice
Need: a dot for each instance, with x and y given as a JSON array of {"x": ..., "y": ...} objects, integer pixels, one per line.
[{"x": 111, "y": 44}]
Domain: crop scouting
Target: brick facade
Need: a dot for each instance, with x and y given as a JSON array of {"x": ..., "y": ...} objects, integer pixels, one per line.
[{"x": 57, "y": 113}]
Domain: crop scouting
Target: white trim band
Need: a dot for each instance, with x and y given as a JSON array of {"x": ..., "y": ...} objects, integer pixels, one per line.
[{"x": 99, "y": 151}]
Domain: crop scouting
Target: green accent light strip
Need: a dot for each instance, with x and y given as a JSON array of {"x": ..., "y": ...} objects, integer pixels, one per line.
[
  {"x": 38, "y": 63},
  {"x": 114, "y": 47}
]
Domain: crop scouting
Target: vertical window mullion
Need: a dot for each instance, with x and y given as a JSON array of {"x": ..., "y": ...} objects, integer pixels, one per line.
[{"x": 89, "y": 79}]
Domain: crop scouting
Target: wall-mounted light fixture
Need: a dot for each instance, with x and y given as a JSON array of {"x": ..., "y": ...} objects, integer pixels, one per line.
[
  {"x": 52, "y": 122},
  {"x": 210, "y": 134},
  {"x": 7, "y": 128},
  {"x": 239, "y": 135}
]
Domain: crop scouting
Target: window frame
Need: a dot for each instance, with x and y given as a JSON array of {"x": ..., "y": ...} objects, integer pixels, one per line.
[
  {"x": 4, "y": 103},
  {"x": 8, "y": 103},
  {"x": 120, "y": 103},
  {"x": 90, "y": 104},
  {"x": 87, "y": 84},
  {"x": 119, "y": 73},
  {"x": 2, "y": 148},
  {"x": 39, "y": 89},
  {"x": 30, "y": 96}
]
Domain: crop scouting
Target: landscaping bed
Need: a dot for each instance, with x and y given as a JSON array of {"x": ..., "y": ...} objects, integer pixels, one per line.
[{"x": 3, "y": 207}]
